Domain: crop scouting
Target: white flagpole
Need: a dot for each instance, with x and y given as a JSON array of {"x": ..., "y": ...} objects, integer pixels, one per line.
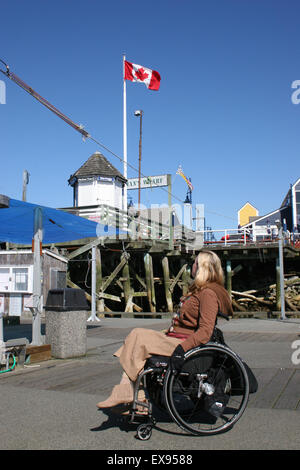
[{"x": 124, "y": 136}]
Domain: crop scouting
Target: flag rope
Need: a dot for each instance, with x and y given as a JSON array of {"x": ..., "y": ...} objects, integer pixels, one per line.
[
  {"x": 75, "y": 126},
  {"x": 42, "y": 100}
]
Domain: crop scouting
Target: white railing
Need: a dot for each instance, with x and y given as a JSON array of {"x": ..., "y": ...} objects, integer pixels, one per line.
[
  {"x": 146, "y": 228},
  {"x": 135, "y": 226},
  {"x": 227, "y": 237}
]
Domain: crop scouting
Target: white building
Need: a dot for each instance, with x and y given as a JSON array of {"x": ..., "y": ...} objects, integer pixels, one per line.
[{"x": 97, "y": 182}]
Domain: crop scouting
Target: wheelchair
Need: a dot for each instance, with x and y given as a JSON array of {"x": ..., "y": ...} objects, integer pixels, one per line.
[{"x": 207, "y": 396}]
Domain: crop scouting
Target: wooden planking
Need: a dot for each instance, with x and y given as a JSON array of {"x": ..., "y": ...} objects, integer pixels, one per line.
[
  {"x": 271, "y": 387},
  {"x": 74, "y": 376},
  {"x": 290, "y": 397},
  {"x": 278, "y": 388},
  {"x": 264, "y": 377},
  {"x": 260, "y": 375}
]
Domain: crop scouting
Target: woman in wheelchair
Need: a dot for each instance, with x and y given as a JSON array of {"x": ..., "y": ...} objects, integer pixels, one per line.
[{"x": 192, "y": 326}]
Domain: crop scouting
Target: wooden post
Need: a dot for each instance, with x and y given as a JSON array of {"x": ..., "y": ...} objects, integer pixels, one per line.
[
  {"x": 228, "y": 277},
  {"x": 37, "y": 339},
  {"x": 112, "y": 276},
  {"x": 104, "y": 285},
  {"x": 185, "y": 279},
  {"x": 166, "y": 271},
  {"x": 150, "y": 282},
  {"x": 126, "y": 287}
]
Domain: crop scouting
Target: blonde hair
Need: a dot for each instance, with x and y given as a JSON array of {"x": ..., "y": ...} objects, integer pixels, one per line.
[{"x": 209, "y": 270}]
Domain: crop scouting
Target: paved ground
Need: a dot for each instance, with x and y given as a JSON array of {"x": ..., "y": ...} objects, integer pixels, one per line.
[{"x": 52, "y": 405}]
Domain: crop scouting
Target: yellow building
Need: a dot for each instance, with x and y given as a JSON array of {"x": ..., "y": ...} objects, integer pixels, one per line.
[{"x": 245, "y": 213}]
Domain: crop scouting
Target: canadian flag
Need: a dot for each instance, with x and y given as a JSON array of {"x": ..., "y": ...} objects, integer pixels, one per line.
[{"x": 138, "y": 73}]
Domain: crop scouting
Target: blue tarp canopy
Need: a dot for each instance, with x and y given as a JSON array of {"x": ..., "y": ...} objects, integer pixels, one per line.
[{"x": 17, "y": 225}]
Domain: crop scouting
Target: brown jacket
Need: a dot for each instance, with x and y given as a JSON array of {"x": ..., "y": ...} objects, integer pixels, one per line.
[{"x": 198, "y": 314}]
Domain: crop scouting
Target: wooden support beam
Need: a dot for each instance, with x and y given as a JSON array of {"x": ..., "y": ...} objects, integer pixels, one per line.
[
  {"x": 99, "y": 295},
  {"x": 119, "y": 283},
  {"x": 103, "y": 295},
  {"x": 186, "y": 279},
  {"x": 252, "y": 297},
  {"x": 74, "y": 286},
  {"x": 85, "y": 248},
  {"x": 136, "y": 307},
  {"x": 127, "y": 287},
  {"x": 114, "y": 273},
  {"x": 141, "y": 281},
  {"x": 168, "y": 294},
  {"x": 177, "y": 277},
  {"x": 129, "y": 305}
]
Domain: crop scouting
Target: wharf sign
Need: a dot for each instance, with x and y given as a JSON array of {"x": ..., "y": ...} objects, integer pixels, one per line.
[{"x": 148, "y": 182}]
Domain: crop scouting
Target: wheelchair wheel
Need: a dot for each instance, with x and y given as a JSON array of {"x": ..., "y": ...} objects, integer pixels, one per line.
[
  {"x": 144, "y": 432},
  {"x": 211, "y": 391}
]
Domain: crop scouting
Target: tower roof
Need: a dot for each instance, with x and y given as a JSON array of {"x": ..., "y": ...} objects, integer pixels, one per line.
[{"x": 96, "y": 165}]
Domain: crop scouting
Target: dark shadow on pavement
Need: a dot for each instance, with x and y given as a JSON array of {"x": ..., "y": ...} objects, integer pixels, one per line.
[{"x": 122, "y": 422}]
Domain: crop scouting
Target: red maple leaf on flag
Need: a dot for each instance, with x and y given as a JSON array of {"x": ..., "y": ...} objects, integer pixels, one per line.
[{"x": 141, "y": 74}]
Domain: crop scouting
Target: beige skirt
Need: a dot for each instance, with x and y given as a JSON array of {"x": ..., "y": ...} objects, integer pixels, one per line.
[{"x": 141, "y": 344}]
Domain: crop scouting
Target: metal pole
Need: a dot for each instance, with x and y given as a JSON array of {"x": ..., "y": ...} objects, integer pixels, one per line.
[
  {"x": 140, "y": 164},
  {"x": 4, "y": 204},
  {"x": 37, "y": 278},
  {"x": 140, "y": 158},
  {"x": 280, "y": 249},
  {"x": 93, "y": 316},
  {"x": 171, "y": 214},
  {"x": 25, "y": 183},
  {"x": 124, "y": 137}
]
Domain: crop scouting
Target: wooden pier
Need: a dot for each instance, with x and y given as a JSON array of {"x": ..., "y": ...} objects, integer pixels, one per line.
[{"x": 147, "y": 276}]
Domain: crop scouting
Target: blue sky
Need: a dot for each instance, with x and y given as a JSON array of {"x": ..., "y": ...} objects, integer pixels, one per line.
[{"x": 223, "y": 112}]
